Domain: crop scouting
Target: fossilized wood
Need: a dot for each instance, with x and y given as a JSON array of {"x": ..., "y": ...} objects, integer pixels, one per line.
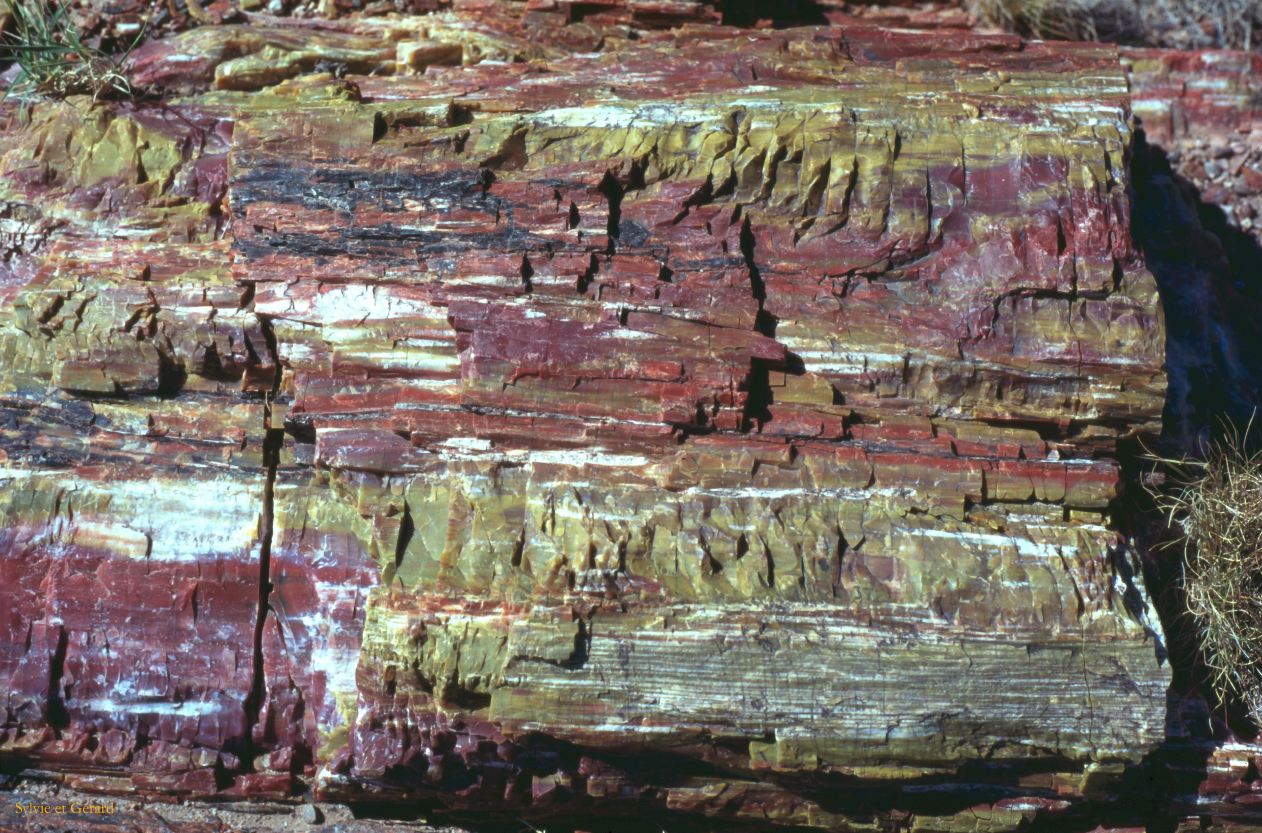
[{"x": 723, "y": 425}]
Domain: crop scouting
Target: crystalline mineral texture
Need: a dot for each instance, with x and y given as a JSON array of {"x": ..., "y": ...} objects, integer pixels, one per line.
[{"x": 724, "y": 422}]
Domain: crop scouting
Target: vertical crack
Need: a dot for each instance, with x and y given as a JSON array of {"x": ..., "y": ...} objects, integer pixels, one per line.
[
  {"x": 407, "y": 528},
  {"x": 757, "y": 383},
  {"x": 55, "y": 711},
  {"x": 613, "y": 192},
  {"x": 747, "y": 241},
  {"x": 764, "y": 321},
  {"x": 273, "y": 438}
]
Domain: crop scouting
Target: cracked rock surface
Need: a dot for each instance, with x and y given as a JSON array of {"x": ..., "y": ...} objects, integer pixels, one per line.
[{"x": 539, "y": 416}]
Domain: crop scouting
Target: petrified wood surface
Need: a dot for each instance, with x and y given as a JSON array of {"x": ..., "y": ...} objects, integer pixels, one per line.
[{"x": 628, "y": 414}]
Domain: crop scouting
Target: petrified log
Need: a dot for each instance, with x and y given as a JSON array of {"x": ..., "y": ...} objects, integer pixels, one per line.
[{"x": 722, "y": 423}]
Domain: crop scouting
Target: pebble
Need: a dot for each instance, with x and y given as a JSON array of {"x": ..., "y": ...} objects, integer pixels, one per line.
[
  {"x": 1239, "y": 148},
  {"x": 1213, "y": 169},
  {"x": 1246, "y": 224},
  {"x": 311, "y": 814}
]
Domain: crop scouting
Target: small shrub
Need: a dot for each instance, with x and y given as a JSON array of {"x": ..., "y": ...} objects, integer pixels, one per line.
[
  {"x": 1216, "y": 506},
  {"x": 53, "y": 59},
  {"x": 1044, "y": 19},
  {"x": 1180, "y": 24},
  {"x": 1204, "y": 24}
]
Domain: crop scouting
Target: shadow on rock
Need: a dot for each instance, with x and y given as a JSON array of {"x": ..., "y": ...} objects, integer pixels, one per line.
[{"x": 1209, "y": 277}]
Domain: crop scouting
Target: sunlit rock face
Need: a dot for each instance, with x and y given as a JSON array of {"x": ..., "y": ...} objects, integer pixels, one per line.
[{"x": 720, "y": 421}]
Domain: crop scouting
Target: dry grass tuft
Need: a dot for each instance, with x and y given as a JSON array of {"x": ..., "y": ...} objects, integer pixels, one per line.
[
  {"x": 1045, "y": 19},
  {"x": 1204, "y": 24},
  {"x": 1180, "y": 24},
  {"x": 53, "y": 60},
  {"x": 1216, "y": 505}
]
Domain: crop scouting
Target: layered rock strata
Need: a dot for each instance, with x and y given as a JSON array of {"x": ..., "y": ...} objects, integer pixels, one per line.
[{"x": 721, "y": 423}]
